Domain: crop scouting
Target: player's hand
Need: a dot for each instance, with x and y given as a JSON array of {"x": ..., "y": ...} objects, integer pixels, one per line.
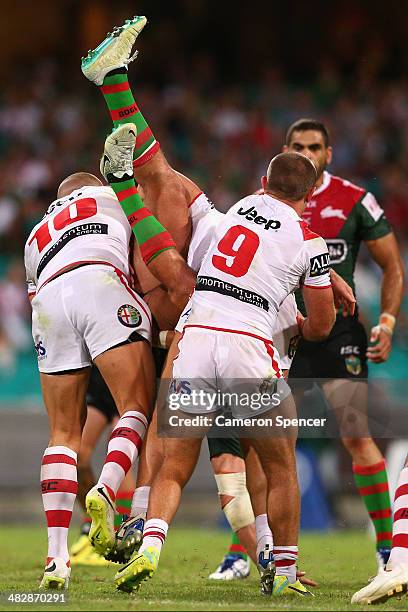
[
  {"x": 382, "y": 344},
  {"x": 343, "y": 294},
  {"x": 306, "y": 581}
]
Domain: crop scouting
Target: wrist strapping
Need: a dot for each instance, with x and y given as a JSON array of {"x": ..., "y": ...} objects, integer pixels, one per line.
[{"x": 387, "y": 323}]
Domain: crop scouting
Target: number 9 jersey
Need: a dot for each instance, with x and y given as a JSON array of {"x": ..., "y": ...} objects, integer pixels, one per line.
[
  {"x": 262, "y": 252},
  {"x": 86, "y": 226}
]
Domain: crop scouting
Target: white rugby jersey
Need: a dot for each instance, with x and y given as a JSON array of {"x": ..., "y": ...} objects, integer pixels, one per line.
[
  {"x": 204, "y": 220},
  {"x": 87, "y": 225},
  {"x": 260, "y": 253}
]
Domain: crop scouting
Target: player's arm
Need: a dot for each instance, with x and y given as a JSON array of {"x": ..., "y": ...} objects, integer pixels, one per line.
[
  {"x": 321, "y": 314},
  {"x": 386, "y": 254},
  {"x": 343, "y": 294},
  {"x": 317, "y": 291}
]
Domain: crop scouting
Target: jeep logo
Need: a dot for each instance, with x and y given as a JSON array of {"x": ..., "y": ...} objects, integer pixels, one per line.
[{"x": 252, "y": 215}]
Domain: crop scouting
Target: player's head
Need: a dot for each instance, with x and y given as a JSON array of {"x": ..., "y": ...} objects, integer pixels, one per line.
[
  {"x": 76, "y": 181},
  {"x": 311, "y": 138},
  {"x": 291, "y": 177}
]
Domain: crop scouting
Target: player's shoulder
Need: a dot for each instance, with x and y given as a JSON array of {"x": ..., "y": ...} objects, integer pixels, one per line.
[
  {"x": 345, "y": 188},
  {"x": 312, "y": 242}
]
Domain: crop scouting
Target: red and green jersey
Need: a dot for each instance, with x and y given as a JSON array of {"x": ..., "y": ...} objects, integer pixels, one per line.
[{"x": 345, "y": 215}]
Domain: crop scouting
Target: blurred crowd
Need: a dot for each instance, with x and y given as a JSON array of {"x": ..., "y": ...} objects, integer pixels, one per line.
[{"x": 220, "y": 134}]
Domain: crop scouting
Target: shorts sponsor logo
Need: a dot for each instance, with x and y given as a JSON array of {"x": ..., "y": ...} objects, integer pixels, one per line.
[
  {"x": 209, "y": 283},
  {"x": 129, "y": 316},
  {"x": 350, "y": 350},
  {"x": 41, "y": 351},
  {"x": 338, "y": 250},
  {"x": 180, "y": 386},
  {"x": 319, "y": 265},
  {"x": 353, "y": 365}
]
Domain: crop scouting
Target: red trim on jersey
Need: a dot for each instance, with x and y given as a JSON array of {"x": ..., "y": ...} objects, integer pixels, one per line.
[
  {"x": 316, "y": 287},
  {"x": 275, "y": 365},
  {"x": 231, "y": 331},
  {"x": 306, "y": 231},
  {"x": 73, "y": 266},
  {"x": 47, "y": 459},
  {"x": 194, "y": 199}
]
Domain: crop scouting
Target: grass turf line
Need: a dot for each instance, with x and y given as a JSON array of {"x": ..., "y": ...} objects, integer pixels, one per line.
[{"x": 340, "y": 562}]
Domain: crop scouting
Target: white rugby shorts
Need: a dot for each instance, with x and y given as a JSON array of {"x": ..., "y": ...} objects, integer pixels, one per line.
[
  {"x": 82, "y": 313},
  {"x": 230, "y": 361},
  {"x": 285, "y": 335}
]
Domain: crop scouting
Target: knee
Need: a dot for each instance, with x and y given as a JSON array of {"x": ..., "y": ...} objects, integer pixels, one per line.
[{"x": 235, "y": 499}]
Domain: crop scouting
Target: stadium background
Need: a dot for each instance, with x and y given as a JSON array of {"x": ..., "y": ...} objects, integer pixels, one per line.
[{"x": 218, "y": 84}]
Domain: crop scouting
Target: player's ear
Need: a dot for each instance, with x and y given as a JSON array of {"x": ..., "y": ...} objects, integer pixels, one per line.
[
  {"x": 329, "y": 155},
  {"x": 264, "y": 182},
  {"x": 285, "y": 149}
]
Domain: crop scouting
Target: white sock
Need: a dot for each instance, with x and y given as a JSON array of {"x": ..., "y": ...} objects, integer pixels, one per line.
[
  {"x": 399, "y": 552},
  {"x": 285, "y": 561},
  {"x": 140, "y": 502},
  {"x": 264, "y": 541},
  {"x": 154, "y": 534}
]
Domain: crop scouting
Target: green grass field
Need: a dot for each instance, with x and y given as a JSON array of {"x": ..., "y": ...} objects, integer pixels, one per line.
[{"x": 341, "y": 562}]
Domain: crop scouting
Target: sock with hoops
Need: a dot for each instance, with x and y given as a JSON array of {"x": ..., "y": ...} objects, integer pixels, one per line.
[
  {"x": 59, "y": 486},
  {"x": 123, "y": 108},
  {"x": 372, "y": 483},
  {"x": 150, "y": 234},
  {"x": 154, "y": 534},
  {"x": 399, "y": 553},
  {"x": 124, "y": 447}
]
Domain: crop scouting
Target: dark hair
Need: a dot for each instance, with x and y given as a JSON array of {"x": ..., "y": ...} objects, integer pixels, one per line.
[
  {"x": 290, "y": 176},
  {"x": 301, "y": 125}
]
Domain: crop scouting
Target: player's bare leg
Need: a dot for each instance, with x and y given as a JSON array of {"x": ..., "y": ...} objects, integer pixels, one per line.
[
  {"x": 180, "y": 459},
  {"x": 349, "y": 400},
  {"x": 128, "y": 370},
  {"x": 64, "y": 398}
]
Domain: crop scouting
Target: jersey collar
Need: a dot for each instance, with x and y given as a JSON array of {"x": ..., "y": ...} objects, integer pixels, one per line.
[
  {"x": 288, "y": 209},
  {"x": 326, "y": 182}
]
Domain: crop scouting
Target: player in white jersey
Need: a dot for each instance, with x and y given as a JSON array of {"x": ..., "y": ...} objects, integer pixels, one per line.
[
  {"x": 212, "y": 348},
  {"x": 84, "y": 311}
]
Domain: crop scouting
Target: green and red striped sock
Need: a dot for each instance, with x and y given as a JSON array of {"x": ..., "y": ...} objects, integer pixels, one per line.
[
  {"x": 372, "y": 483},
  {"x": 150, "y": 234},
  {"x": 123, "y": 505},
  {"x": 123, "y": 109},
  {"x": 236, "y": 547}
]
